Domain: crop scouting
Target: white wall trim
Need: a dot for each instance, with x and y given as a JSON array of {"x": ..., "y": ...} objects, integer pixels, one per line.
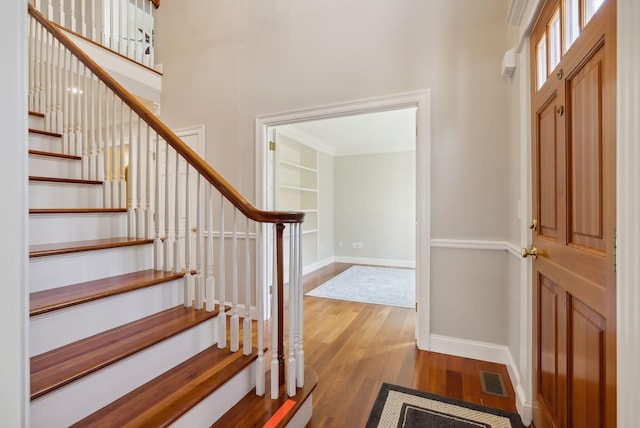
[
  {"x": 421, "y": 101},
  {"x": 516, "y": 10},
  {"x": 306, "y": 139},
  {"x": 376, "y": 262},
  {"x": 628, "y": 212},
  {"x": 317, "y": 265},
  {"x": 469, "y": 244},
  {"x": 486, "y": 352}
]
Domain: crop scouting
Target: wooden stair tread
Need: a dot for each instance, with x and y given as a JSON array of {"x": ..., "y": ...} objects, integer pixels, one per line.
[
  {"x": 42, "y": 250},
  {"x": 54, "y": 369},
  {"x": 42, "y": 302},
  {"x": 54, "y": 155},
  {"x": 47, "y": 133},
  {"x": 35, "y": 113},
  {"x": 76, "y": 210},
  {"x": 164, "y": 399},
  {"x": 63, "y": 180},
  {"x": 255, "y": 411}
]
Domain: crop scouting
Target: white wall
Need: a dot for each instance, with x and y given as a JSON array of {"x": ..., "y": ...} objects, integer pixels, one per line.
[
  {"x": 237, "y": 60},
  {"x": 375, "y": 204},
  {"x": 14, "y": 397},
  {"x": 325, "y": 206}
]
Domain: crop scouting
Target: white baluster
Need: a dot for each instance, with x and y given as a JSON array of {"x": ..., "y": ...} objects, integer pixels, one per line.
[
  {"x": 114, "y": 152},
  {"x": 32, "y": 64},
  {"x": 222, "y": 335},
  {"x": 140, "y": 233},
  {"x": 299, "y": 307},
  {"x": 291, "y": 361},
  {"x": 60, "y": 88},
  {"x": 122, "y": 190},
  {"x": 49, "y": 10},
  {"x": 55, "y": 59},
  {"x": 210, "y": 281},
  {"x": 130, "y": 181},
  {"x": 135, "y": 31},
  {"x": 142, "y": 57},
  {"x": 157, "y": 243},
  {"x": 94, "y": 34},
  {"x": 113, "y": 44},
  {"x": 83, "y": 19},
  {"x": 105, "y": 152},
  {"x": 167, "y": 240},
  {"x": 37, "y": 59},
  {"x": 48, "y": 86},
  {"x": 93, "y": 152},
  {"x": 188, "y": 297},
  {"x": 176, "y": 219},
  {"x": 275, "y": 372},
  {"x": 199, "y": 286},
  {"x": 84, "y": 97},
  {"x": 148, "y": 214},
  {"x": 78, "y": 110},
  {"x": 73, "y": 15},
  {"x": 260, "y": 369},
  {"x": 235, "y": 321},
  {"x": 152, "y": 36},
  {"x": 246, "y": 323},
  {"x": 66, "y": 134},
  {"x": 127, "y": 35},
  {"x": 62, "y": 15}
]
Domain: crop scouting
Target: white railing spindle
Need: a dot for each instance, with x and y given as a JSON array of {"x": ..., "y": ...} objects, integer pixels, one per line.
[
  {"x": 84, "y": 127},
  {"x": 275, "y": 371},
  {"x": 83, "y": 18},
  {"x": 222, "y": 336},
  {"x": 73, "y": 15},
  {"x": 188, "y": 297},
  {"x": 157, "y": 243},
  {"x": 94, "y": 34},
  {"x": 260, "y": 368},
  {"x": 235, "y": 323},
  {"x": 210, "y": 281},
  {"x": 176, "y": 219},
  {"x": 246, "y": 323},
  {"x": 199, "y": 286},
  {"x": 291, "y": 361},
  {"x": 122, "y": 200},
  {"x": 148, "y": 217},
  {"x": 130, "y": 181},
  {"x": 139, "y": 211},
  {"x": 167, "y": 241},
  {"x": 299, "y": 307},
  {"x": 63, "y": 20}
]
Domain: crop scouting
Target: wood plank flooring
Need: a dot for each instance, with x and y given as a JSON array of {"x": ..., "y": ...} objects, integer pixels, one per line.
[{"x": 355, "y": 347}]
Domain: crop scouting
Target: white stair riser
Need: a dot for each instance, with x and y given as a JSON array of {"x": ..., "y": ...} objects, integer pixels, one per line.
[
  {"x": 59, "y": 328},
  {"x": 36, "y": 122},
  {"x": 79, "y": 399},
  {"x": 45, "y": 143},
  {"x": 52, "y": 228},
  {"x": 66, "y": 269},
  {"x": 49, "y": 166},
  {"x": 64, "y": 195},
  {"x": 212, "y": 408}
]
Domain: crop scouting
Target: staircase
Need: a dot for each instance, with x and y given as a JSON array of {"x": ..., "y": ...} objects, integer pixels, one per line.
[{"x": 117, "y": 337}]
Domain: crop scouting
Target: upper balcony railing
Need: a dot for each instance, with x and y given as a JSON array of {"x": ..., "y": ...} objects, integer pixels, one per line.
[{"x": 123, "y": 26}]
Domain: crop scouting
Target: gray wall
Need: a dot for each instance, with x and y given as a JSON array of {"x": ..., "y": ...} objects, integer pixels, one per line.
[
  {"x": 375, "y": 205},
  {"x": 242, "y": 59}
]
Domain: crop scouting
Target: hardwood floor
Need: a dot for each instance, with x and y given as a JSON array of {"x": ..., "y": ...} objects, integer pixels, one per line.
[{"x": 355, "y": 347}]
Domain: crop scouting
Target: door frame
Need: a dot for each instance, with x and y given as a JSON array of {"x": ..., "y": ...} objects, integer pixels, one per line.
[{"x": 419, "y": 100}]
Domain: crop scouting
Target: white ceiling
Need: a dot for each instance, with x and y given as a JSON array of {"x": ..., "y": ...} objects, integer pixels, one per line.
[{"x": 379, "y": 132}]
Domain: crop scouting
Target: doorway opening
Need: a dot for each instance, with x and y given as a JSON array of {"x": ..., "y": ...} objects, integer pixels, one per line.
[{"x": 294, "y": 124}]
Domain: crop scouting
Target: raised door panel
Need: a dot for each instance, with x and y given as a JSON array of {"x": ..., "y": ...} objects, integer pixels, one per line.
[
  {"x": 587, "y": 366},
  {"x": 547, "y": 171},
  {"x": 585, "y": 152},
  {"x": 552, "y": 350}
]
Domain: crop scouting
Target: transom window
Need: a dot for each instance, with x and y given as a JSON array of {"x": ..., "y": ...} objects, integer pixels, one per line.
[{"x": 563, "y": 29}]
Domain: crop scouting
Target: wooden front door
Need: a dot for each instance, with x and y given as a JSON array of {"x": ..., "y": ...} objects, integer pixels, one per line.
[{"x": 573, "y": 56}]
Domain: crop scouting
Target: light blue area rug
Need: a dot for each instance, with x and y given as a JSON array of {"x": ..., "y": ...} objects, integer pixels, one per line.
[{"x": 371, "y": 284}]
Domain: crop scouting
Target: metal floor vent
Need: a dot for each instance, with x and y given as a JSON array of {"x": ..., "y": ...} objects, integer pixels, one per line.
[{"x": 492, "y": 383}]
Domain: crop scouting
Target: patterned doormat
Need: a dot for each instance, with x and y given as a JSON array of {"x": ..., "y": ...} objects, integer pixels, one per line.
[
  {"x": 371, "y": 284},
  {"x": 397, "y": 406}
]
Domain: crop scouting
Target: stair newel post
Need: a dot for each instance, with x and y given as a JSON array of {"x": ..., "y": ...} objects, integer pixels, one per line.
[
  {"x": 188, "y": 297},
  {"x": 157, "y": 243},
  {"x": 209, "y": 281},
  {"x": 122, "y": 190},
  {"x": 176, "y": 218},
  {"x": 167, "y": 236},
  {"x": 222, "y": 335},
  {"x": 199, "y": 286},
  {"x": 246, "y": 323},
  {"x": 291, "y": 361},
  {"x": 148, "y": 216},
  {"x": 299, "y": 307},
  {"x": 131, "y": 180},
  {"x": 260, "y": 283},
  {"x": 235, "y": 322},
  {"x": 277, "y": 318}
]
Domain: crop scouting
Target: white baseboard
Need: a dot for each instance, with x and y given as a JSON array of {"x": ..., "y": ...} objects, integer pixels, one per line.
[
  {"x": 317, "y": 265},
  {"x": 487, "y": 352},
  {"x": 376, "y": 262}
]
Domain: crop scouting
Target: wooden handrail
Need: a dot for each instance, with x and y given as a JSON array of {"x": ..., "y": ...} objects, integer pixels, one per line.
[
  {"x": 199, "y": 164},
  {"x": 156, "y": 3}
]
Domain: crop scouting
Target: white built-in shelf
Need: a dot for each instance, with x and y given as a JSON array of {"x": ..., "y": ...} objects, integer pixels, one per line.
[
  {"x": 297, "y": 166},
  {"x": 299, "y": 189}
]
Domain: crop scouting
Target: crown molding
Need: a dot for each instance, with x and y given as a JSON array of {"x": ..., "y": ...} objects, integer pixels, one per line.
[
  {"x": 516, "y": 11},
  {"x": 306, "y": 139}
]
